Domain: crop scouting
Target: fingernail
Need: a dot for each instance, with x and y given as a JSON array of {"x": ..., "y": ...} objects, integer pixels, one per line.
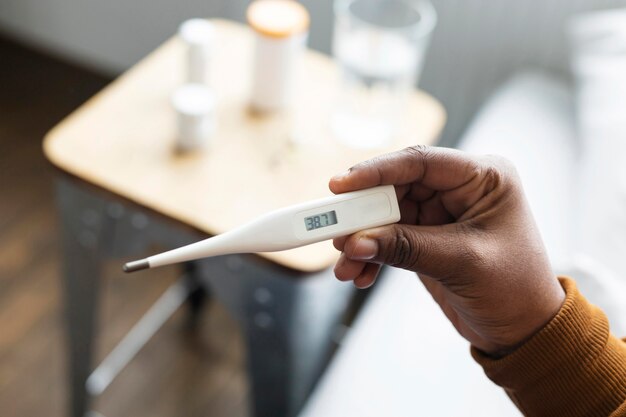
[
  {"x": 342, "y": 175},
  {"x": 365, "y": 249},
  {"x": 362, "y": 286}
]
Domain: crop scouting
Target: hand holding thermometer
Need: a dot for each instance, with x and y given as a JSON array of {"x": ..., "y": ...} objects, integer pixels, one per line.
[{"x": 291, "y": 227}]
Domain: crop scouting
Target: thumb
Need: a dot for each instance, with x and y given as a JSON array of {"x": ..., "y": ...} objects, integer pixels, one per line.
[{"x": 430, "y": 250}]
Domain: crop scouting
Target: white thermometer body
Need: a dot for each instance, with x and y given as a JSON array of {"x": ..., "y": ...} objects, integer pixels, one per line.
[{"x": 292, "y": 227}]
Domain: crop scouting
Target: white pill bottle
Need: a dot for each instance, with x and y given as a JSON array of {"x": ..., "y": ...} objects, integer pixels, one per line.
[
  {"x": 281, "y": 29},
  {"x": 198, "y": 36}
]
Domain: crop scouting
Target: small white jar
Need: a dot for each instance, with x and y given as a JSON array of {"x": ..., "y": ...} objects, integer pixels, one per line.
[
  {"x": 197, "y": 34},
  {"x": 195, "y": 113},
  {"x": 281, "y": 29}
]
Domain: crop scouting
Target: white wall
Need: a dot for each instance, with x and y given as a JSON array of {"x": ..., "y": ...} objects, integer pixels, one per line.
[
  {"x": 477, "y": 45},
  {"x": 111, "y": 35}
]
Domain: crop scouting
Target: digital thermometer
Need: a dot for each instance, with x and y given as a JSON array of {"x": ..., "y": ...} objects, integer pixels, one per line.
[{"x": 291, "y": 227}]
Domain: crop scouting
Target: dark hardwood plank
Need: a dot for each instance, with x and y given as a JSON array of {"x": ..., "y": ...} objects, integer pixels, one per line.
[{"x": 197, "y": 372}]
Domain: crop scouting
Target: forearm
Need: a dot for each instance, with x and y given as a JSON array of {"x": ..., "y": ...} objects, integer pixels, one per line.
[{"x": 572, "y": 367}]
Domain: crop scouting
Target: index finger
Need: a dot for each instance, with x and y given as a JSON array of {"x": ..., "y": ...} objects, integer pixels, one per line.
[{"x": 439, "y": 169}]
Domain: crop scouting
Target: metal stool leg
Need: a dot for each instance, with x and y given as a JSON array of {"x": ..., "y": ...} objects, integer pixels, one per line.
[
  {"x": 137, "y": 337},
  {"x": 80, "y": 228},
  {"x": 198, "y": 293}
]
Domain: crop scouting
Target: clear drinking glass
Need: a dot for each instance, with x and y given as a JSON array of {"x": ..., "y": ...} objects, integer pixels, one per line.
[{"x": 380, "y": 47}]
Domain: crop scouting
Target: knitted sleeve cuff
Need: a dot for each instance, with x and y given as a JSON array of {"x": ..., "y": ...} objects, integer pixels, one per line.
[{"x": 571, "y": 367}]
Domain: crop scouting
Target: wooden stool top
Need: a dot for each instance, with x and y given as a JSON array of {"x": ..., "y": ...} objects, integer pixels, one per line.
[{"x": 122, "y": 140}]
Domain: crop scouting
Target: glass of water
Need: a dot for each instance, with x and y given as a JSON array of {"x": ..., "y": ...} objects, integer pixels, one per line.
[{"x": 379, "y": 46}]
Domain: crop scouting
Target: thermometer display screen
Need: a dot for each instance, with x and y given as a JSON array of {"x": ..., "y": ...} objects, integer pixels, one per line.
[{"x": 320, "y": 220}]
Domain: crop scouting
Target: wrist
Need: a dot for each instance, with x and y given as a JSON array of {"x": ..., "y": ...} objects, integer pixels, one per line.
[
  {"x": 534, "y": 317},
  {"x": 573, "y": 354}
]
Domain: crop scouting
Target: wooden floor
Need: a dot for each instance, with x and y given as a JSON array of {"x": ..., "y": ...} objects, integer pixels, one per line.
[{"x": 180, "y": 372}]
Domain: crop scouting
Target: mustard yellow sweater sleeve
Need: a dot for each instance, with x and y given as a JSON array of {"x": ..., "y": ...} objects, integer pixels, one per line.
[{"x": 572, "y": 367}]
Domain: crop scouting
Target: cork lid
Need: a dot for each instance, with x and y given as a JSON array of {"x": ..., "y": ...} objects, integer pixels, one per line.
[{"x": 278, "y": 18}]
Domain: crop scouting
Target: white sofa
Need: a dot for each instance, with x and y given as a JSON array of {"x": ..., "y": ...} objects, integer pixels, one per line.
[
  {"x": 402, "y": 357},
  {"x": 568, "y": 141}
]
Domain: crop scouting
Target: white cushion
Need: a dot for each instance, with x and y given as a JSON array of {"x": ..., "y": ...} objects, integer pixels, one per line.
[
  {"x": 530, "y": 121},
  {"x": 599, "y": 67},
  {"x": 404, "y": 358},
  {"x": 578, "y": 197}
]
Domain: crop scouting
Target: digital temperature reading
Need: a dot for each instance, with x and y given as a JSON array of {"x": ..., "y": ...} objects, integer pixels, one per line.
[{"x": 320, "y": 220}]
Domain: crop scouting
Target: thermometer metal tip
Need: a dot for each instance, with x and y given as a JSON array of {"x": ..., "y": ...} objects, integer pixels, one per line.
[{"x": 136, "y": 265}]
